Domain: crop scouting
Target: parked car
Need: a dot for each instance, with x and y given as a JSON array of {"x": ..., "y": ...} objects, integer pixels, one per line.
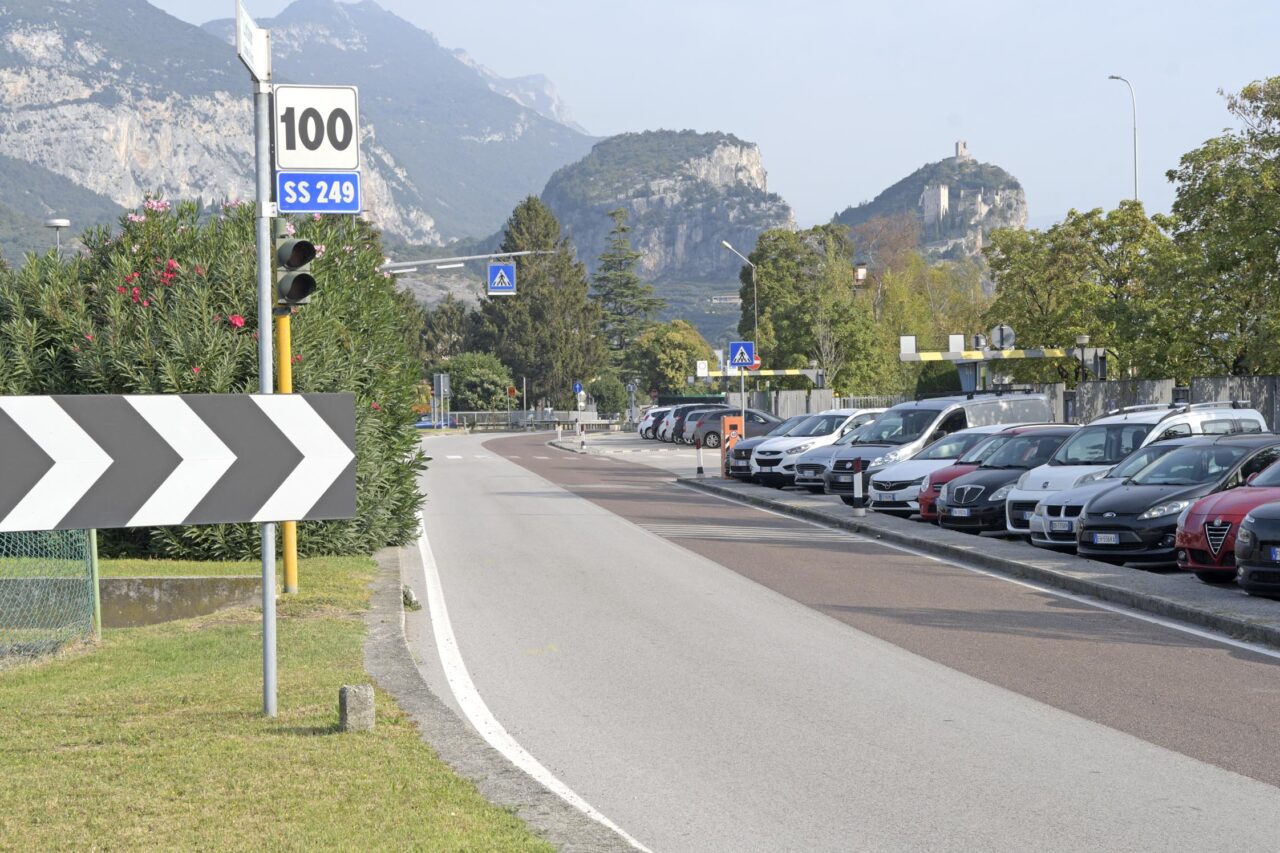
[
  {"x": 647, "y": 428},
  {"x": 1052, "y": 523},
  {"x": 738, "y": 459},
  {"x": 895, "y": 489},
  {"x": 1137, "y": 522},
  {"x": 774, "y": 462},
  {"x": 1257, "y": 552},
  {"x": 442, "y": 422},
  {"x": 1207, "y": 530},
  {"x": 706, "y": 429},
  {"x": 1107, "y": 440},
  {"x": 666, "y": 426},
  {"x": 812, "y": 465},
  {"x": 974, "y": 502},
  {"x": 680, "y": 432},
  {"x": 907, "y": 428}
]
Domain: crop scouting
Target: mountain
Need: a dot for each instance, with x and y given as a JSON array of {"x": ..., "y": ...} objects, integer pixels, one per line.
[
  {"x": 106, "y": 100},
  {"x": 958, "y": 202}
]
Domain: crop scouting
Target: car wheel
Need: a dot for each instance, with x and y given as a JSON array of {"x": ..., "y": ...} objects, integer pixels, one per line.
[
  {"x": 648, "y": 435},
  {"x": 711, "y": 439},
  {"x": 849, "y": 500},
  {"x": 1216, "y": 578}
]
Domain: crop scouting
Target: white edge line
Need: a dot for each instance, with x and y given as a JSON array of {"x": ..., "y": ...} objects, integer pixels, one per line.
[
  {"x": 473, "y": 706},
  {"x": 1058, "y": 593}
]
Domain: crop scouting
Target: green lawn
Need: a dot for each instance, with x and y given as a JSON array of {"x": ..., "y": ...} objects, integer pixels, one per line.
[
  {"x": 177, "y": 568},
  {"x": 156, "y": 739}
]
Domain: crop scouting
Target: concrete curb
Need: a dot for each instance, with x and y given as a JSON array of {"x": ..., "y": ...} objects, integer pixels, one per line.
[
  {"x": 387, "y": 658},
  {"x": 1180, "y": 597}
]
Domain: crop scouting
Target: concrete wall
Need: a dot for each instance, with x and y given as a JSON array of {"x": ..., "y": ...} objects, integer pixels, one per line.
[
  {"x": 1260, "y": 391},
  {"x": 130, "y": 602},
  {"x": 1094, "y": 399}
]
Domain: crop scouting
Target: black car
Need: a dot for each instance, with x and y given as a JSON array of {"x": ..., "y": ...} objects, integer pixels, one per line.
[
  {"x": 1258, "y": 551},
  {"x": 1137, "y": 521},
  {"x": 738, "y": 460},
  {"x": 974, "y": 502}
]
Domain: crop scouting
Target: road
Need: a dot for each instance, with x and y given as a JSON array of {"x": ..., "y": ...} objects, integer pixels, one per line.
[{"x": 715, "y": 677}]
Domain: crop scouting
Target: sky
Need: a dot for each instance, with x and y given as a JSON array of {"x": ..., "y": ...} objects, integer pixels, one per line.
[{"x": 846, "y": 97}]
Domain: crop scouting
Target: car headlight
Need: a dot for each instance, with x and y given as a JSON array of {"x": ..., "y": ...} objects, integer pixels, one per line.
[
  {"x": 800, "y": 448},
  {"x": 1089, "y": 478},
  {"x": 1022, "y": 482},
  {"x": 1001, "y": 493},
  {"x": 1161, "y": 510},
  {"x": 887, "y": 459},
  {"x": 1039, "y": 510},
  {"x": 942, "y": 495},
  {"x": 1182, "y": 518},
  {"x": 1244, "y": 536},
  {"x": 924, "y": 484}
]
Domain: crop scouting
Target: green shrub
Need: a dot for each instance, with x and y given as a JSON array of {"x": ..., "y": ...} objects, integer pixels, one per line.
[
  {"x": 610, "y": 395},
  {"x": 168, "y": 306}
]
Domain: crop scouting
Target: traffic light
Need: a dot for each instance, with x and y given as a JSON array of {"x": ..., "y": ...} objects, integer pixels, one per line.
[{"x": 294, "y": 282}]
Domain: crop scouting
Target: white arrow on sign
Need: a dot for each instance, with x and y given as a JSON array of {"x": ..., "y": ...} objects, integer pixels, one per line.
[
  {"x": 204, "y": 459},
  {"x": 78, "y": 462},
  {"x": 325, "y": 457}
]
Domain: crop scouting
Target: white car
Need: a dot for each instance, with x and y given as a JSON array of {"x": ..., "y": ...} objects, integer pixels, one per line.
[
  {"x": 1106, "y": 441},
  {"x": 647, "y": 428},
  {"x": 895, "y": 488},
  {"x": 773, "y": 462}
]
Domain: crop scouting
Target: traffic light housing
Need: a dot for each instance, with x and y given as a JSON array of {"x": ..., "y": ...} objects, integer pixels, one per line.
[{"x": 294, "y": 282}]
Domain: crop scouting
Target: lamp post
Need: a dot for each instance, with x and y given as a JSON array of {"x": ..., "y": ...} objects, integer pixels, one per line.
[
  {"x": 1133, "y": 100},
  {"x": 57, "y": 225},
  {"x": 1082, "y": 341},
  {"x": 755, "y": 298}
]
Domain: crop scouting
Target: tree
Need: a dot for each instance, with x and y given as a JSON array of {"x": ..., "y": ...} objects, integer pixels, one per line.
[
  {"x": 550, "y": 331},
  {"x": 478, "y": 381},
  {"x": 665, "y": 354},
  {"x": 627, "y": 304},
  {"x": 610, "y": 395},
  {"x": 445, "y": 329}
]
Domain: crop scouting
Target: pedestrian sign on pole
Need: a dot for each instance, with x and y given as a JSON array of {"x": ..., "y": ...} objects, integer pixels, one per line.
[
  {"x": 742, "y": 353},
  {"x": 502, "y": 279}
]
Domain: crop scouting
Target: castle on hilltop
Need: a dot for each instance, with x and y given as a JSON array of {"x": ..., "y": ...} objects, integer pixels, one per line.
[{"x": 938, "y": 212}]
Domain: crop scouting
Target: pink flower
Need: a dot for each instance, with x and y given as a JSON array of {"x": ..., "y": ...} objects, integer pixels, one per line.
[
  {"x": 167, "y": 278},
  {"x": 236, "y": 320},
  {"x": 199, "y": 270},
  {"x": 315, "y": 217},
  {"x": 157, "y": 204},
  {"x": 297, "y": 359},
  {"x": 195, "y": 370},
  {"x": 137, "y": 217},
  {"x": 319, "y": 248},
  {"x": 376, "y": 407},
  {"x": 120, "y": 288},
  {"x": 132, "y": 277},
  {"x": 88, "y": 337},
  {"x": 146, "y": 303},
  {"x": 171, "y": 265}
]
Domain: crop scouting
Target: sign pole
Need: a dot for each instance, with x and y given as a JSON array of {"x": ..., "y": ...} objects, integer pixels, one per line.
[
  {"x": 262, "y": 162},
  {"x": 742, "y": 377},
  {"x": 288, "y": 529}
]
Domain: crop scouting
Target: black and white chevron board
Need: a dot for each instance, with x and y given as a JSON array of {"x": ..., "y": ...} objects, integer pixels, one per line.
[{"x": 70, "y": 462}]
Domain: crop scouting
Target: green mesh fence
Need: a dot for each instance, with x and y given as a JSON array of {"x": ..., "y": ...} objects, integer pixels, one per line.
[{"x": 46, "y": 592}]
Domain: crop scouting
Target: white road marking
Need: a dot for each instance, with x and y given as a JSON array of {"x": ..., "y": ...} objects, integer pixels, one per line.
[
  {"x": 478, "y": 713},
  {"x": 1057, "y": 593},
  {"x": 542, "y": 457},
  {"x": 453, "y": 457}
]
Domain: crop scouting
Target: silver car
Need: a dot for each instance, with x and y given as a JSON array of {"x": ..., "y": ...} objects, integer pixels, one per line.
[{"x": 813, "y": 464}]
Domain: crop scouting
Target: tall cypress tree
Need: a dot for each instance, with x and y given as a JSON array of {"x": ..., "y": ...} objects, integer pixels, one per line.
[
  {"x": 627, "y": 304},
  {"x": 549, "y": 331}
]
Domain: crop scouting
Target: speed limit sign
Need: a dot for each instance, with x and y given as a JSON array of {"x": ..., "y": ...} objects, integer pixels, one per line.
[{"x": 317, "y": 128}]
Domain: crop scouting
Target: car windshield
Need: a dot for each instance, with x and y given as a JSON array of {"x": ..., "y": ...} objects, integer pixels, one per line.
[
  {"x": 819, "y": 425},
  {"x": 983, "y": 449},
  {"x": 1189, "y": 466},
  {"x": 952, "y": 446},
  {"x": 852, "y": 435},
  {"x": 786, "y": 426},
  {"x": 899, "y": 427},
  {"x": 1024, "y": 451},
  {"x": 1270, "y": 476},
  {"x": 1101, "y": 444},
  {"x": 1138, "y": 460}
]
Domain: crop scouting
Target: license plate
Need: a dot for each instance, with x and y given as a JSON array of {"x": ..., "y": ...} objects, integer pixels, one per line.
[
  {"x": 1275, "y": 554},
  {"x": 1106, "y": 539},
  {"x": 1060, "y": 526},
  {"x": 884, "y": 496},
  {"x": 844, "y": 478},
  {"x": 960, "y": 512}
]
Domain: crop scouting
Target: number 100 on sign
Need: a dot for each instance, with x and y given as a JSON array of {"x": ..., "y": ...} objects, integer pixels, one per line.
[{"x": 318, "y": 192}]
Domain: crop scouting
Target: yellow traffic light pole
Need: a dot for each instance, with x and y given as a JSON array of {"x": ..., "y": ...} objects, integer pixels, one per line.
[{"x": 288, "y": 529}]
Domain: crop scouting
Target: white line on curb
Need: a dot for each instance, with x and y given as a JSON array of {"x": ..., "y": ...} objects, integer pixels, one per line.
[{"x": 477, "y": 712}]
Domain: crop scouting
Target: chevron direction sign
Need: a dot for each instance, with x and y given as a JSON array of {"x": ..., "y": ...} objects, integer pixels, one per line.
[{"x": 70, "y": 462}]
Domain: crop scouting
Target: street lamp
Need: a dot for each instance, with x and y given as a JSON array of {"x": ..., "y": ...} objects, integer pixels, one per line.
[
  {"x": 1134, "y": 101},
  {"x": 57, "y": 225},
  {"x": 755, "y": 299},
  {"x": 1082, "y": 341}
]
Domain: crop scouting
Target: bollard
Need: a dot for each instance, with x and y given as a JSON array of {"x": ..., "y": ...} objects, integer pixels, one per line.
[
  {"x": 355, "y": 708},
  {"x": 859, "y": 511},
  {"x": 697, "y": 445},
  {"x": 559, "y": 435}
]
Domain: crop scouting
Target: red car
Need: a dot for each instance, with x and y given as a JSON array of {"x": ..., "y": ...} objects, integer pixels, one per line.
[
  {"x": 1206, "y": 539},
  {"x": 970, "y": 461}
]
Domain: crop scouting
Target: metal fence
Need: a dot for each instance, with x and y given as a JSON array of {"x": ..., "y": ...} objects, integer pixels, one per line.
[{"x": 47, "y": 594}]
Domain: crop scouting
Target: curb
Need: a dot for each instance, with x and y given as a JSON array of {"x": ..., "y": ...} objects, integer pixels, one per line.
[
  {"x": 388, "y": 659},
  {"x": 1116, "y": 585}
]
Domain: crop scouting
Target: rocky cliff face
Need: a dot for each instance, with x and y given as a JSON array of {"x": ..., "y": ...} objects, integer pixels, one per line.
[
  {"x": 957, "y": 201},
  {"x": 684, "y": 193}
]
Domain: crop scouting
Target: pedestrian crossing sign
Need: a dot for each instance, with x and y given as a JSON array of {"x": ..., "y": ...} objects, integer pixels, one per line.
[
  {"x": 502, "y": 279},
  {"x": 742, "y": 353}
]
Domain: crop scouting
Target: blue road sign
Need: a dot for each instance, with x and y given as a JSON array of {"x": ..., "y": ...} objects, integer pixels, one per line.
[
  {"x": 502, "y": 279},
  {"x": 742, "y": 353},
  {"x": 318, "y": 192},
  {"x": 577, "y": 387}
]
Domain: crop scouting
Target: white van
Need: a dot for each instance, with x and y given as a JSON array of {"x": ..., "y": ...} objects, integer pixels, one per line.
[{"x": 1104, "y": 442}]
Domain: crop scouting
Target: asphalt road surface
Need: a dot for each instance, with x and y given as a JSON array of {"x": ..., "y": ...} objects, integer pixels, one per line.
[{"x": 715, "y": 677}]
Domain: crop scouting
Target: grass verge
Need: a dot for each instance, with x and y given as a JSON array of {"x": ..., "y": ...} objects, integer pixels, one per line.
[{"x": 156, "y": 739}]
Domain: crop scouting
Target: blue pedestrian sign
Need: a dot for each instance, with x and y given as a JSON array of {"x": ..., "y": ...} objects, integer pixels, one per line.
[
  {"x": 502, "y": 279},
  {"x": 742, "y": 353},
  {"x": 577, "y": 388},
  {"x": 318, "y": 192}
]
